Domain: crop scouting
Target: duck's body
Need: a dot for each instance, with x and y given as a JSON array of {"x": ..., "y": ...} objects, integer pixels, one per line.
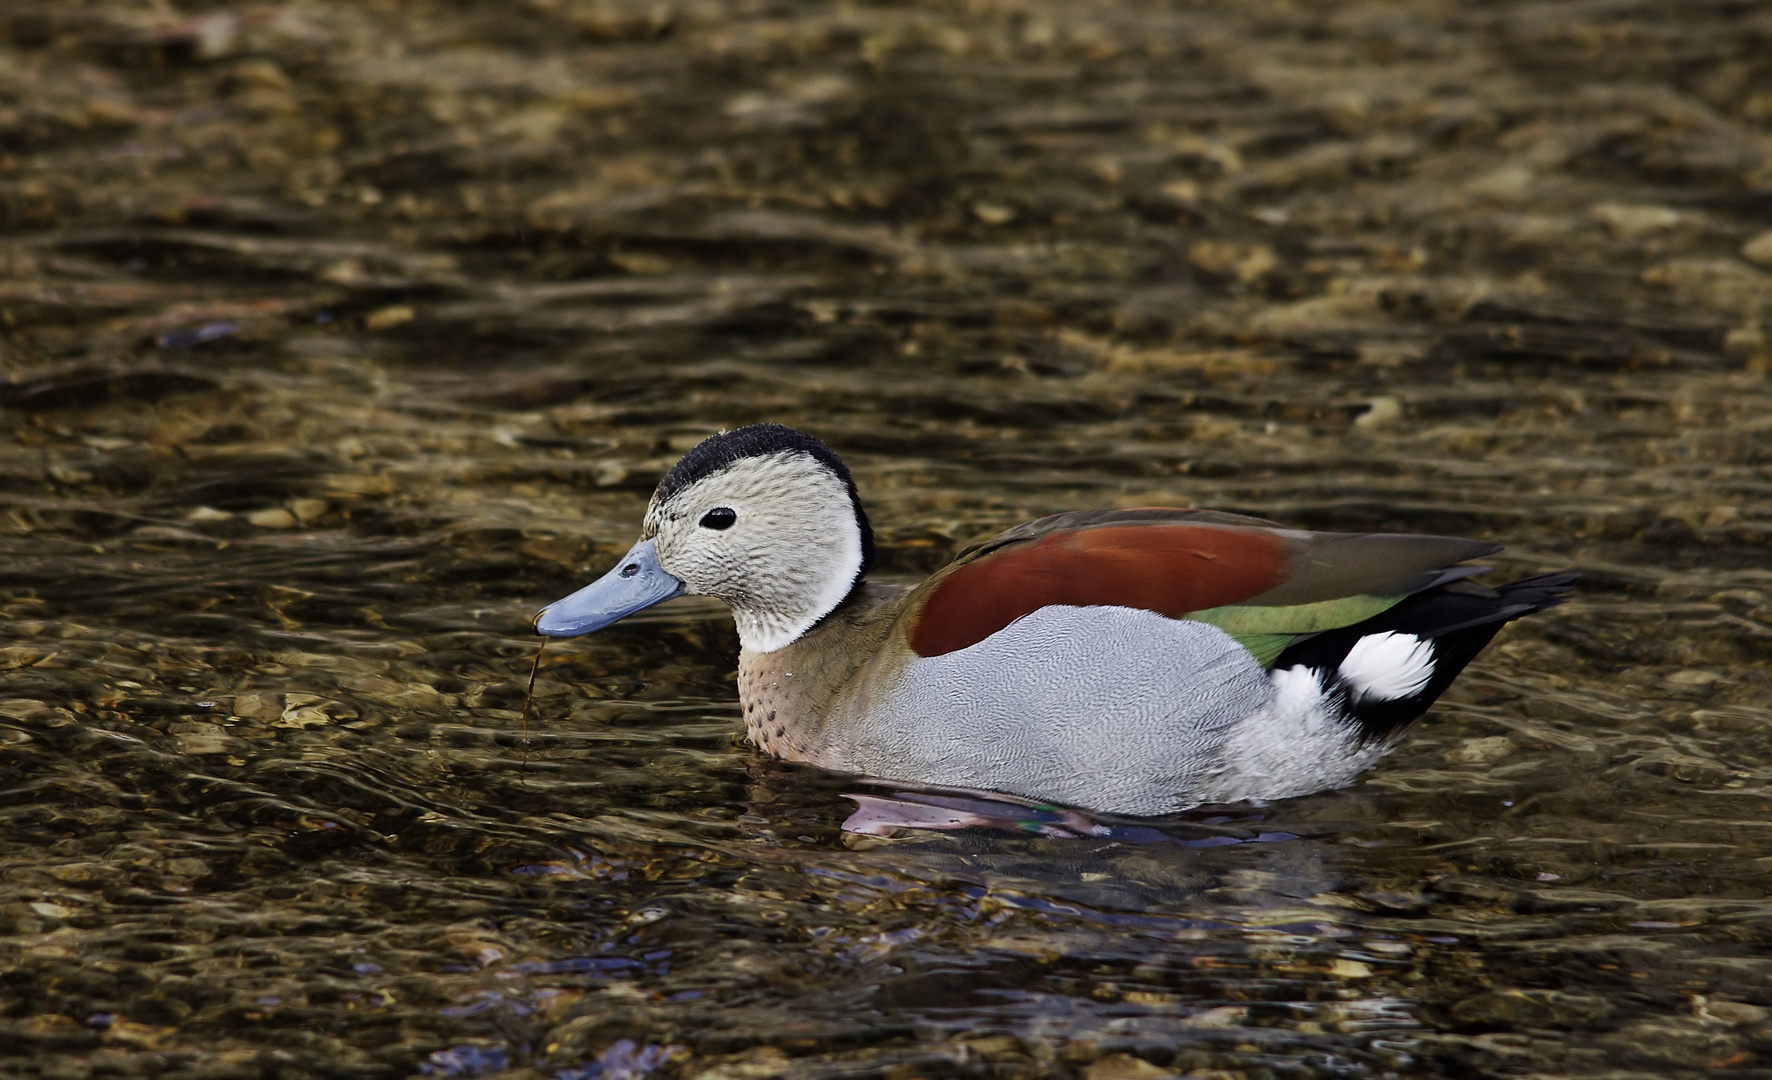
[
  {"x": 1120, "y": 709},
  {"x": 1138, "y": 661}
]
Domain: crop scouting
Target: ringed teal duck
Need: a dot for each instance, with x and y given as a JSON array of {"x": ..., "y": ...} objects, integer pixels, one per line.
[{"x": 1129, "y": 661}]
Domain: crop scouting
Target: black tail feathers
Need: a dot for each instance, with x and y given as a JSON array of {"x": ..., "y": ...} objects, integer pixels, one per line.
[{"x": 1458, "y": 617}]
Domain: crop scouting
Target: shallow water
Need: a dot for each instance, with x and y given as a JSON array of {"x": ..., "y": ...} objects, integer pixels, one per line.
[{"x": 338, "y": 337}]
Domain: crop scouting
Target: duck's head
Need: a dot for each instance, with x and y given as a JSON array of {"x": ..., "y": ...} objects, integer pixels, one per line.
[{"x": 765, "y": 518}]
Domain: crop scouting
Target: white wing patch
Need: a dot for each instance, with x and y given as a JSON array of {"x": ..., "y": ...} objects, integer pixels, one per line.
[{"x": 1388, "y": 666}]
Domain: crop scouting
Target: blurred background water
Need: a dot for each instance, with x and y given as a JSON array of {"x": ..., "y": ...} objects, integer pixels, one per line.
[{"x": 339, "y": 336}]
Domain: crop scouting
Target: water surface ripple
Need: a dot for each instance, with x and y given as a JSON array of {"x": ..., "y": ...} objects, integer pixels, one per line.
[{"x": 338, "y": 337}]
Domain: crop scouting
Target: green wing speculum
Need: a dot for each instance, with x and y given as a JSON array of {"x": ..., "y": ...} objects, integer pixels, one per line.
[{"x": 1266, "y": 631}]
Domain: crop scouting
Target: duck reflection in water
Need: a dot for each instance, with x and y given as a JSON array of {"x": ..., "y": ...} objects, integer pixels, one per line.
[{"x": 891, "y": 812}]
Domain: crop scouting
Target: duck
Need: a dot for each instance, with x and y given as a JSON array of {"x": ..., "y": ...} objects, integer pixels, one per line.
[{"x": 1138, "y": 662}]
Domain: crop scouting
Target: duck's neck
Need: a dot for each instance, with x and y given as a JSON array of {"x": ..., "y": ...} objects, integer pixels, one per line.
[{"x": 787, "y": 694}]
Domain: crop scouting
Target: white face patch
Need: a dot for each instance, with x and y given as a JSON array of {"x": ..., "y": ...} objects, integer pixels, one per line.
[
  {"x": 1388, "y": 666},
  {"x": 790, "y": 554}
]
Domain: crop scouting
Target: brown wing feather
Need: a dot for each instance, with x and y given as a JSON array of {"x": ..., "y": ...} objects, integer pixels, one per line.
[
  {"x": 1083, "y": 519},
  {"x": 1169, "y": 569},
  {"x": 1168, "y": 560}
]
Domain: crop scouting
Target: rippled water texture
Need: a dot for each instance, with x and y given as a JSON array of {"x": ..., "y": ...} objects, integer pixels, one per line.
[{"x": 339, "y": 336}]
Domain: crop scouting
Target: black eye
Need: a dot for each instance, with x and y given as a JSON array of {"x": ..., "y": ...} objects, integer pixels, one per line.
[{"x": 720, "y": 517}]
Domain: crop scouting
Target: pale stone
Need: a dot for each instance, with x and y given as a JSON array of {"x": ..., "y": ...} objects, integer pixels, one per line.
[
  {"x": 274, "y": 518},
  {"x": 757, "y": 1063},
  {"x": 641, "y": 263},
  {"x": 1380, "y": 412},
  {"x": 1509, "y": 183},
  {"x": 389, "y": 317},
  {"x": 607, "y": 473},
  {"x": 1245, "y": 262},
  {"x": 1693, "y": 677},
  {"x": 1632, "y": 222},
  {"x": 1480, "y": 751},
  {"x": 204, "y": 743},
  {"x": 303, "y": 711},
  {"x": 1124, "y": 1067},
  {"x": 1759, "y": 249},
  {"x": 306, "y": 510},
  {"x": 993, "y": 213},
  {"x": 1729, "y": 1012},
  {"x": 1224, "y": 1016},
  {"x": 1182, "y": 190},
  {"x": 255, "y": 706}
]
